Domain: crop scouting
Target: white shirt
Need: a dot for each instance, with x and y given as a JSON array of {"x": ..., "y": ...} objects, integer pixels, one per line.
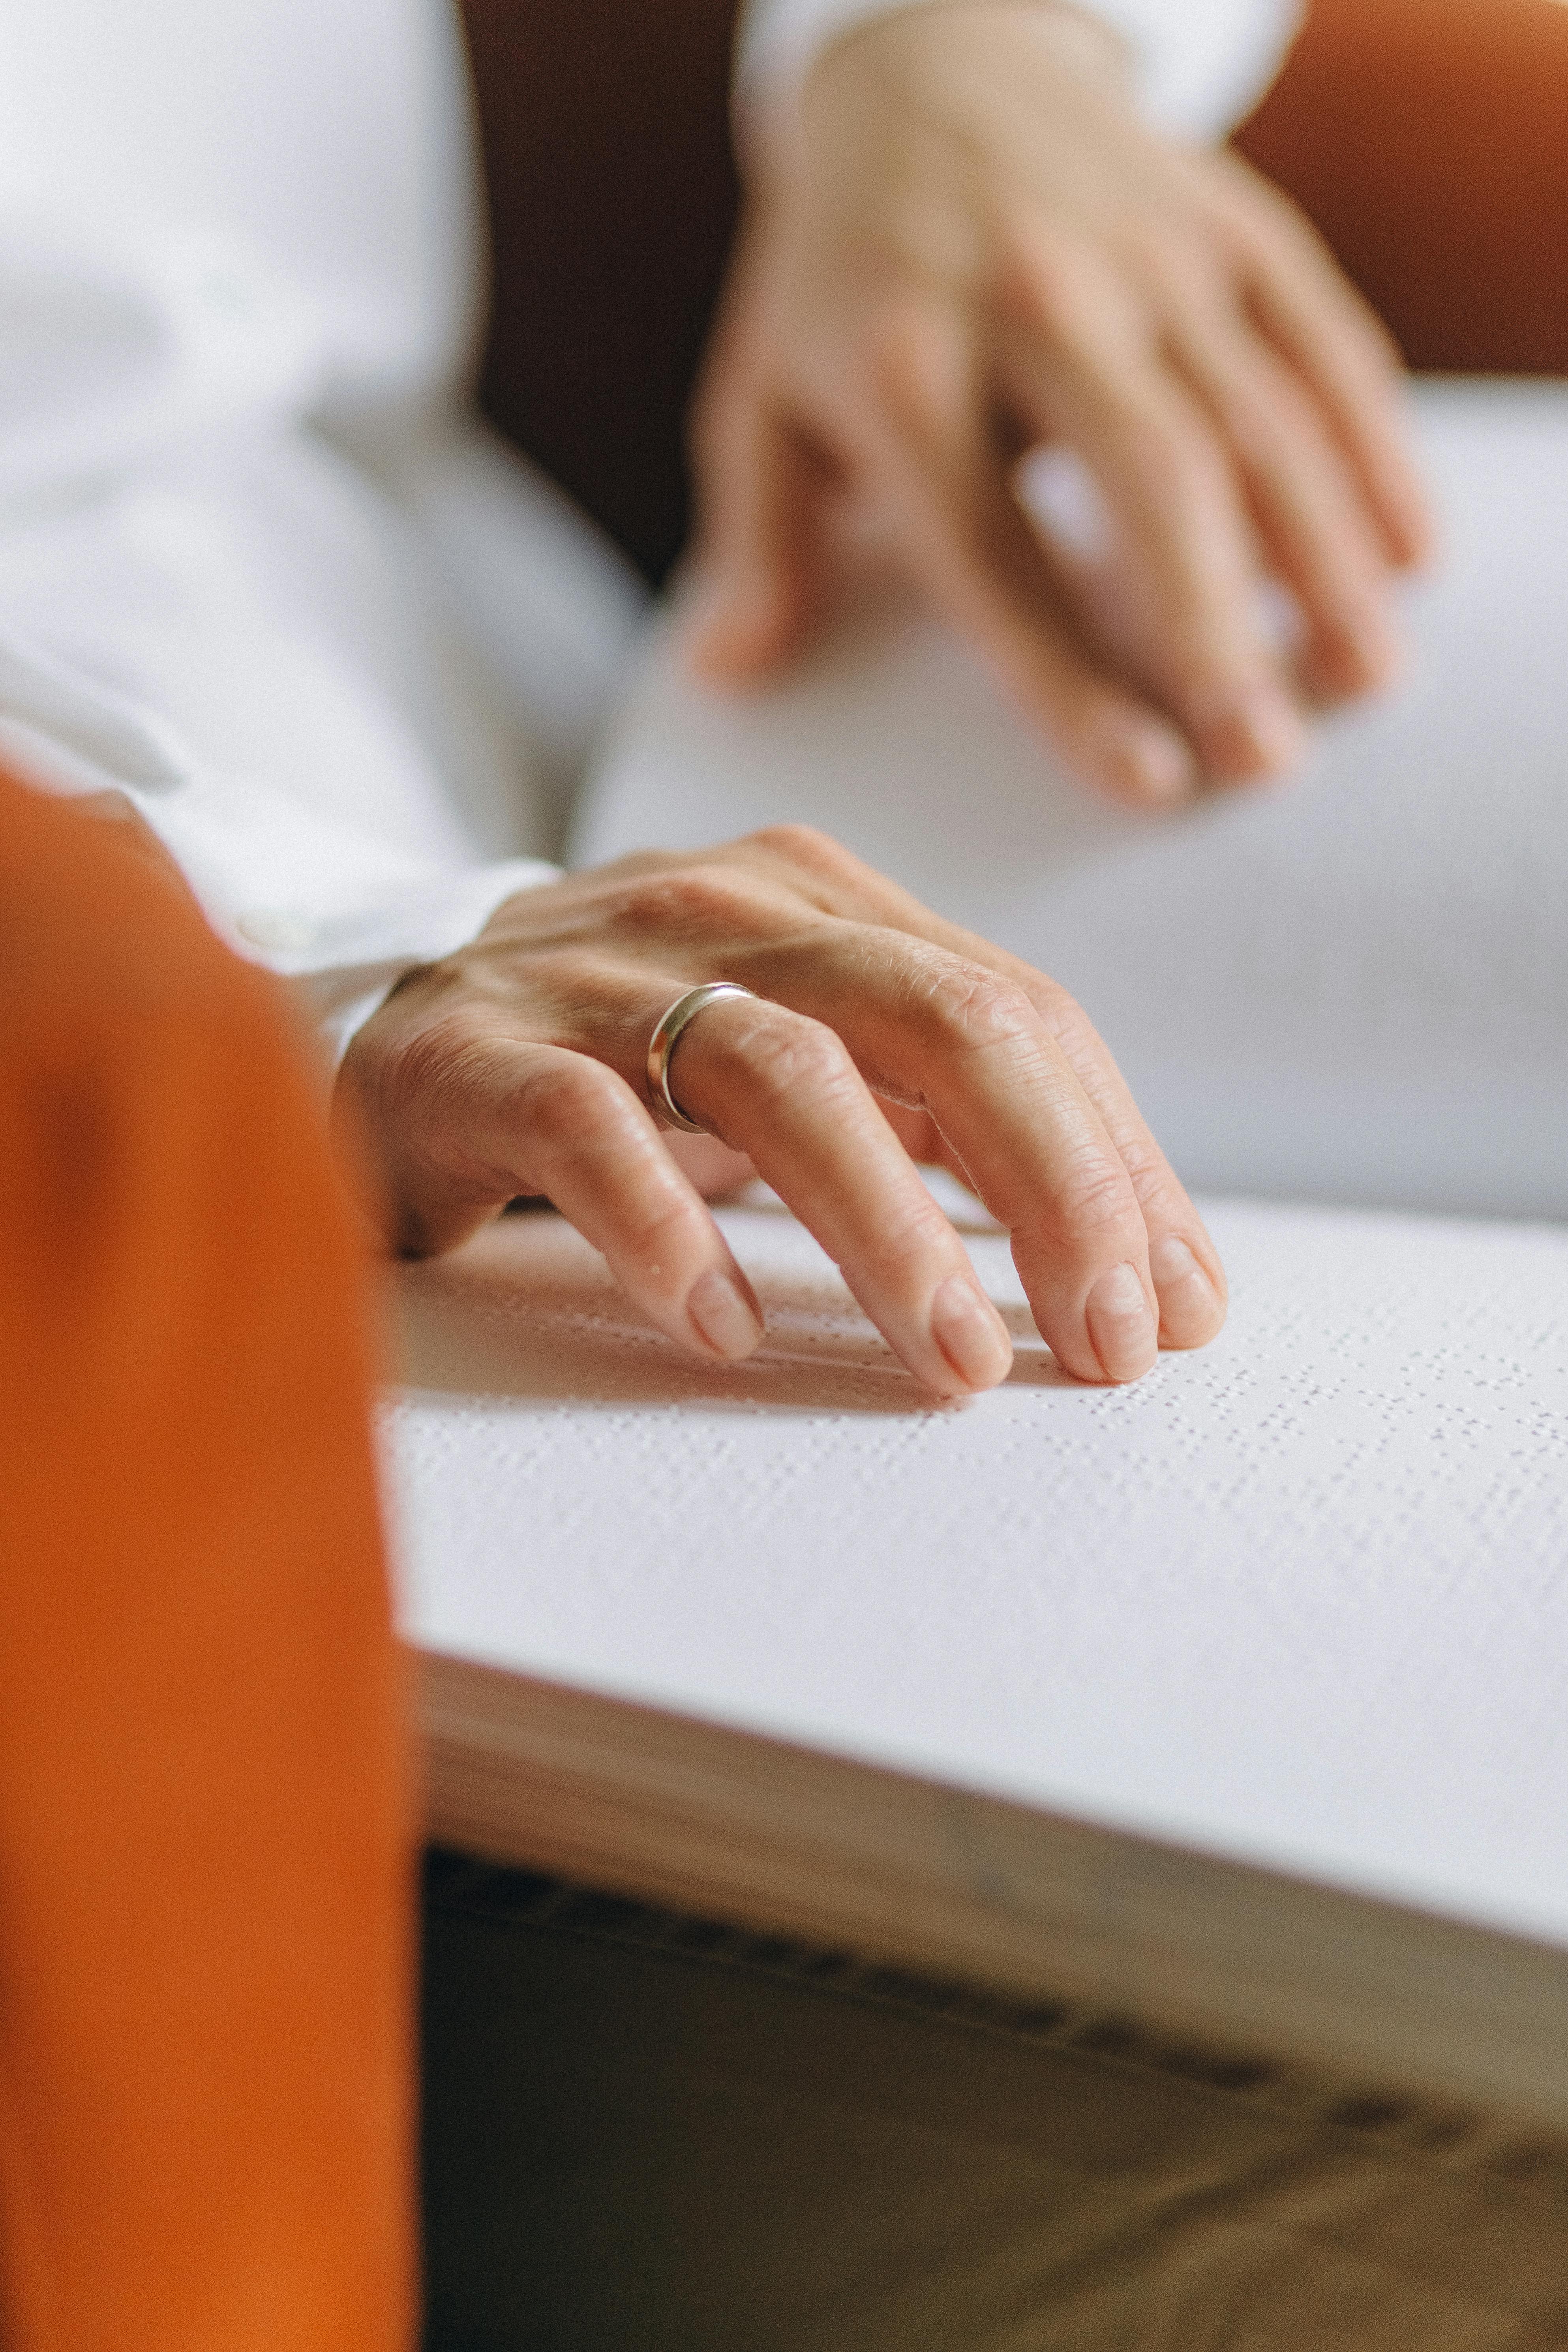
[
  {"x": 260, "y": 567},
  {"x": 1198, "y": 65}
]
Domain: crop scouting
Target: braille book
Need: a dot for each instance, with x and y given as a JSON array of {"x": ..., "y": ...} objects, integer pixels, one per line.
[{"x": 1230, "y": 1704}]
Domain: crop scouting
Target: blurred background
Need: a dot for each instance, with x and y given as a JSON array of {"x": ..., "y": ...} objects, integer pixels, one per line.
[{"x": 1427, "y": 139}]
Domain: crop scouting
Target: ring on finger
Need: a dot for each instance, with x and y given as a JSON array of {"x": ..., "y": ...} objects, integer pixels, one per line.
[{"x": 666, "y": 1035}]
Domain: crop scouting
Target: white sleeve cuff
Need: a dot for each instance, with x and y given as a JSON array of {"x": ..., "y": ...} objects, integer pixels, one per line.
[
  {"x": 1201, "y": 65},
  {"x": 345, "y": 970}
]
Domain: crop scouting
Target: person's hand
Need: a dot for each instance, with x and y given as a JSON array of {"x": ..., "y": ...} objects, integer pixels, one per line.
[
  {"x": 878, "y": 1035},
  {"x": 961, "y": 244}
]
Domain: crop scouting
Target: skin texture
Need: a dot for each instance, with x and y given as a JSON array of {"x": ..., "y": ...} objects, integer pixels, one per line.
[
  {"x": 881, "y": 1036},
  {"x": 961, "y": 244}
]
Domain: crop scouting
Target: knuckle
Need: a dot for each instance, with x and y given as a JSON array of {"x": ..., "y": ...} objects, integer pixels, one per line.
[
  {"x": 1095, "y": 1209},
  {"x": 1071, "y": 1027},
  {"x": 419, "y": 1096},
  {"x": 977, "y": 1008},
  {"x": 432, "y": 1069},
  {"x": 1043, "y": 277},
  {"x": 804, "y": 845},
  {"x": 564, "y": 1101},
  {"x": 790, "y": 1055},
  {"x": 1162, "y": 1203},
  {"x": 687, "y": 902},
  {"x": 906, "y": 1237},
  {"x": 826, "y": 875}
]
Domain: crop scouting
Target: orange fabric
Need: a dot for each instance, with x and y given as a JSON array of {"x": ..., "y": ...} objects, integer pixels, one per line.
[
  {"x": 205, "y": 1961},
  {"x": 1428, "y": 140}
]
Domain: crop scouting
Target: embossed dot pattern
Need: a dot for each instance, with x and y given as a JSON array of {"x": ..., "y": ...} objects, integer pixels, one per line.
[{"x": 1300, "y": 1598}]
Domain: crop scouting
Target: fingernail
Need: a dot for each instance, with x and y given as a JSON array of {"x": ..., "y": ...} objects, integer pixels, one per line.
[
  {"x": 1121, "y": 1324},
  {"x": 969, "y": 1333},
  {"x": 1188, "y": 1299},
  {"x": 1155, "y": 764},
  {"x": 1256, "y": 731},
  {"x": 1269, "y": 731},
  {"x": 731, "y": 620},
  {"x": 724, "y": 1309}
]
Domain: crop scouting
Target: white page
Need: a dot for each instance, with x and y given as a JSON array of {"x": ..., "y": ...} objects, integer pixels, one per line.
[
  {"x": 1300, "y": 1598},
  {"x": 1352, "y": 986}
]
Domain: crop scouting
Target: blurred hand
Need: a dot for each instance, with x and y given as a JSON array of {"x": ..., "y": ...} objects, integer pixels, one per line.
[
  {"x": 963, "y": 244},
  {"x": 878, "y": 1037}
]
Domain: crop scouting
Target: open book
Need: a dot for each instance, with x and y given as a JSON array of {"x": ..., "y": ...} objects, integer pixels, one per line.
[{"x": 1232, "y": 1704}]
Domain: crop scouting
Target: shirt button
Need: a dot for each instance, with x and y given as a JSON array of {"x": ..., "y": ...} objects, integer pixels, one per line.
[{"x": 274, "y": 933}]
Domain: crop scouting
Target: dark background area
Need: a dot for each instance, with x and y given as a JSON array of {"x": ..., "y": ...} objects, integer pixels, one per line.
[
  {"x": 1428, "y": 139},
  {"x": 606, "y": 131}
]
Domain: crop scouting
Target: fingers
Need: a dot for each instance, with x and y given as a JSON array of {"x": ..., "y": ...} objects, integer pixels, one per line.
[
  {"x": 1339, "y": 348},
  {"x": 1035, "y": 258},
  {"x": 480, "y": 1120},
  {"x": 1321, "y": 533},
  {"x": 756, "y": 562},
  {"x": 1296, "y": 427},
  {"x": 791, "y": 1093},
  {"x": 927, "y": 427},
  {"x": 1184, "y": 1264},
  {"x": 1090, "y": 371},
  {"x": 860, "y": 994},
  {"x": 785, "y": 1091},
  {"x": 1188, "y": 1277},
  {"x": 1033, "y": 1110}
]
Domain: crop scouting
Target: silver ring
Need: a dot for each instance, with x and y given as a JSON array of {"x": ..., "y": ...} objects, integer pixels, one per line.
[{"x": 667, "y": 1036}]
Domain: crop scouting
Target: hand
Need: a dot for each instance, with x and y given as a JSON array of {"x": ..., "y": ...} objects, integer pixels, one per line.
[
  {"x": 962, "y": 244},
  {"x": 880, "y": 1036}
]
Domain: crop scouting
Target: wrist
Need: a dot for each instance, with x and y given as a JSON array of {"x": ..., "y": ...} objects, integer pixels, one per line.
[{"x": 786, "y": 53}]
